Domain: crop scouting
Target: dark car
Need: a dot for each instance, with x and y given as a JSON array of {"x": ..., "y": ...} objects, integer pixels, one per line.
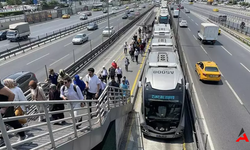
[
  {"x": 125, "y": 17},
  {"x": 182, "y": 7},
  {"x": 22, "y": 79},
  {"x": 144, "y": 6},
  {"x": 3, "y": 35},
  {"x": 88, "y": 13},
  {"x": 92, "y": 26},
  {"x": 105, "y": 11}
]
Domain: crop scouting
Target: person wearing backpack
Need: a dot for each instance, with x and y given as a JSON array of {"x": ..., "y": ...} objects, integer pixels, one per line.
[
  {"x": 69, "y": 91},
  {"x": 111, "y": 72},
  {"x": 79, "y": 83}
]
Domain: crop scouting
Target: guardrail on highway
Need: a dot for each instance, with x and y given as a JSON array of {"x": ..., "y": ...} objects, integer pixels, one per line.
[
  {"x": 200, "y": 135},
  {"x": 88, "y": 58},
  {"x": 238, "y": 36},
  {"x": 231, "y": 25},
  {"x": 48, "y": 37}
]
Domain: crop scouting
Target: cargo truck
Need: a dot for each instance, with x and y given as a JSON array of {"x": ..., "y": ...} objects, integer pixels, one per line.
[
  {"x": 176, "y": 13},
  {"x": 208, "y": 33},
  {"x": 18, "y": 31}
]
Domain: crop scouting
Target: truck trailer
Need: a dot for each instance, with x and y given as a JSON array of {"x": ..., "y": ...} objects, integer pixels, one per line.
[
  {"x": 208, "y": 33},
  {"x": 18, "y": 31}
]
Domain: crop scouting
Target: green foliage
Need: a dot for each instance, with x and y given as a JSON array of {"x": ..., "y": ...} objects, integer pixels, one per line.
[
  {"x": 1, "y": 5},
  {"x": 53, "y": 3},
  {"x": 27, "y": 2},
  {"x": 13, "y": 13},
  {"x": 14, "y": 2}
]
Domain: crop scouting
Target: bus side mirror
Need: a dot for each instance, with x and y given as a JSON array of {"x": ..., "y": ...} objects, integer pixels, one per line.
[{"x": 187, "y": 86}]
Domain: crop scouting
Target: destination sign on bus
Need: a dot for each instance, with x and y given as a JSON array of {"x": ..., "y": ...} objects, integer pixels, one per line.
[{"x": 164, "y": 97}]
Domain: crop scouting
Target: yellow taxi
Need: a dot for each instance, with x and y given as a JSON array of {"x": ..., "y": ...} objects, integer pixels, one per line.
[
  {"x": 127, "y": 7},
  {"x": 216, "y": 10},
  {"x": 219, "y": 32},
  {"x": 66, "y": 16},
  {"x": 208, "y": 71}
]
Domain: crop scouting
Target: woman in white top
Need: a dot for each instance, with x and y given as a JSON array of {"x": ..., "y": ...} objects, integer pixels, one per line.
[{"x": 19, "y": 95}]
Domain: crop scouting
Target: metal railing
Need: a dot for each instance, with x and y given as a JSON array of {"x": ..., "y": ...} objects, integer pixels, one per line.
[
  {"x": 48, "y": 37},
  {"x": 196, "y": 120},
  {"x": 232, "y": 25},
  {"x": 111, "y": 97}
]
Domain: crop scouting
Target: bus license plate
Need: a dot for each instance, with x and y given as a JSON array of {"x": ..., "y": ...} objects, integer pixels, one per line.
[{"x": 213, "y": 76}]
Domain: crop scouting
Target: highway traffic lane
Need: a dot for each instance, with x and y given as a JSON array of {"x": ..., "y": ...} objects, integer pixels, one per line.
[
  {"x": 56, "y": 51},
  {"x": 232, "y": 12},
  {"x": 44, "y": 28},
  {"x": 223, "y": 113},
  {"x": 208, "y": 11},
  {"x": 229, "y": 44},
  {"x": 232, "y": 66}
]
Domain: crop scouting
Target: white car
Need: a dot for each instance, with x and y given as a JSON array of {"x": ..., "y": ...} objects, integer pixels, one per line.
[
  {"x": 183, "y": 23},
  {"x": 80, "y": 38},
  {"x": 83, "y": 17},
  {"x": 131, "y": 10},
  {"x": 108, "y": 31}
]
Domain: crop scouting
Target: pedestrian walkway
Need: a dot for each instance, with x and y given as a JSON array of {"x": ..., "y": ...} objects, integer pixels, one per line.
[{"x": 114, "y": 53}]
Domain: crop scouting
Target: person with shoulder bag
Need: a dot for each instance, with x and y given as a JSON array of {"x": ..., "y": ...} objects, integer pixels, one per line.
[
  {"x": 37, "y": 94},
  {"x": 19, "y": 96}
]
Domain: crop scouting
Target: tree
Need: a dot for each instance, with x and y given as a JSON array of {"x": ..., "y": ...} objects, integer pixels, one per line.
[
  {"x": 53, "y": 3},
  {"x": 1, "y": 5},
  {"x": 29, "y": 2},
  {"x": 14, "y": 2}
]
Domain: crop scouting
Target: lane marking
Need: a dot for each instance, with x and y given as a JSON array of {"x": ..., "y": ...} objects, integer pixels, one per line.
[
  {"x": 192, "y": 19},
  {"x": 245, "y": 67},
  {"x": 37, "y": 59},
  {"x": 226, "y": 50},
  {"x": 235, "y": 94},
  {"x": 188, "y": 17},
  {"x": 203, "y": 49},
  {"x": 195, "y": 37},
  {"x": 197, "y": 24},
  {"x": 59, "y": 60},
  {"x": 67, "y": 44},
  {"x": 210, "y": 142},
  {"x": 49, "y": 44},
  {"x": 189, "y": 29}
]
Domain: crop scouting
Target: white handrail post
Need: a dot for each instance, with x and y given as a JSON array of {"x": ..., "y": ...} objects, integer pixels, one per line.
[
  {"x": 49, "y": 126},
  {"x": 73, "y": 118},
  {"x": 89, "y": 115},
  {"x": 108, "y": 99},
  {"x": 4, "y": 134}
]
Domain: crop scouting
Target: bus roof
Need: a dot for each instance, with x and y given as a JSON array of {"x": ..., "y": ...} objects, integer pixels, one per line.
[{"x": 163, "y": 70}]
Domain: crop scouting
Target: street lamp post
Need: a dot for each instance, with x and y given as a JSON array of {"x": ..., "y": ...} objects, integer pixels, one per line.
[
  {"x": 178, "y": 22},
  {"x": 108, "y": 17}
]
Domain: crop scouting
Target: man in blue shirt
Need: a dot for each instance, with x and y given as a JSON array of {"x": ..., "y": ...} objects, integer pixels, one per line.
[
  {"x": 53, "y": 76},
  {"x": 124, "y": 86},
  {"x": 126, "y": 81}
]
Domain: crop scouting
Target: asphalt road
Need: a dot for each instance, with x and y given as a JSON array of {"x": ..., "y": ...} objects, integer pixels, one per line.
[
  {"x": 41, "y": 29},
  {"x": 58, "y": 54},
  {"x": 207, "y": 10},
  {"x": 225, "y": 105}
]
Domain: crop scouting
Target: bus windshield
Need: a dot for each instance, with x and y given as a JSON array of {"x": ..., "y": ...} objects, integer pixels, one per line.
[{"x": 163, "y": 111}]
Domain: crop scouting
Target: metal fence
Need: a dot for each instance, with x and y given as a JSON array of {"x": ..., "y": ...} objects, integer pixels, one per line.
[
  {"x": 111, "y": 97},
  {"x": 196, "y": 121},
  {"x": 231, "y": 25},
  {"x": 48, "y": 37}
]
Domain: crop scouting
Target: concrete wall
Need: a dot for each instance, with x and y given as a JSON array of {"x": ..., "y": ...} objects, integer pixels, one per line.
[
  {"x": 5, "y": 25},
  {"x": 119, "y": 128},
  {"x": 96, "y": 136}
]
